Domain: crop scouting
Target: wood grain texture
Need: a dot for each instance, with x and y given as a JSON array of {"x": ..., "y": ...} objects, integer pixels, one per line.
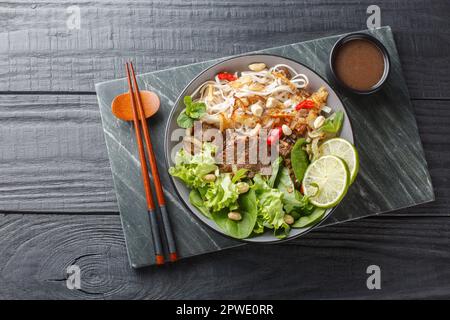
[
  {"x": 413, "y": 254},
  {"x": 39, "y": 53},
  {"x": 53, "y": 156}
]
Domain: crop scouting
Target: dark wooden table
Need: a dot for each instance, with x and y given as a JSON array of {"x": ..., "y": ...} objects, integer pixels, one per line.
[{"x": 56, "y": 195}]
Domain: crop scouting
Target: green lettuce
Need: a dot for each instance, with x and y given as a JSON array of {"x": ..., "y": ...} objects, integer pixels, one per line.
[
  {"x": 195, "y": 198},
  {"x": 222, "y": 194},
  {"x": 192, "y": 168},
  {"x": 270, "y": 208},
  {"x": 243, "y": 228}
]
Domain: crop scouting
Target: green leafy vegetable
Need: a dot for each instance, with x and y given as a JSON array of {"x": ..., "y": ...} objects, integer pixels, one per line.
[
  {"x": 299, "y": 159},
  {"x": 275, "y": 170},
  {"x": 222, "y": 194},
  {"x": 240, "y": 174},
  {"x": 194, "y": 109},
  {"x": 286, "y": 186},
  {"x": 306, "y": 221},
  {"x": 270, "y": 208},
  {"x": 334, "y": 123},
  {"x": 196, "y": 200},
  {"x": 192, "y": 168},
  {"x": 294, "y": 203},
  {"x": 184, "y": 121},
  {"x": 304, "y": 207},
  {"x": 243, "y": 228}
]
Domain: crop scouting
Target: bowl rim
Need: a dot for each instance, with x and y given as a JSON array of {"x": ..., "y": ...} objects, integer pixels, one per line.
[
  {"x": 167, "y": 155},
  {"x": 353, "y": 36}
]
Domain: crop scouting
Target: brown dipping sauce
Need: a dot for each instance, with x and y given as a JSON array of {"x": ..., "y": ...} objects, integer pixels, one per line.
[{"x": 359, "y": 64}]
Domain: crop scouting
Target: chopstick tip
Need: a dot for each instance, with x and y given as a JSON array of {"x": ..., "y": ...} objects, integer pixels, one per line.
[
  {"x": 159, "y": 259},
  {"x": 173, "y": 257}
]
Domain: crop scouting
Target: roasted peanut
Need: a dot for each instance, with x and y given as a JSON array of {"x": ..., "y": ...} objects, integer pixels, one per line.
[
  {"x": 288, "y": 219},
  {"x": 209, "y": 177},
  {"x": 257, "y": 109},
  {"x": 242, "y": 187},
  {"x": 235, "y": 216},
  {"x": 257, "y": 67}
]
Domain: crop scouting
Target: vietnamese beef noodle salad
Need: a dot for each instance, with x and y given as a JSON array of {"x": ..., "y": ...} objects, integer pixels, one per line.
[{"x": 312, "y": 168}]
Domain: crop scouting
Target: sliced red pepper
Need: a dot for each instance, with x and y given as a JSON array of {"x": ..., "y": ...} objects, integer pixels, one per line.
[
  {"x": 305, "y": 104},
  {"x": 226, "y": 76},
  {"x": 302, "y": 191},
  {"x": 274, "y": 134}
]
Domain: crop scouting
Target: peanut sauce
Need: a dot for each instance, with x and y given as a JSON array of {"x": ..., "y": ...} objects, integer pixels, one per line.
[{"x": 359, "y": 64}]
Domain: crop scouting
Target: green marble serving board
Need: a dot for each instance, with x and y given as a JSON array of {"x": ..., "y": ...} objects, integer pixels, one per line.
[{"x": 393, "y": 172}]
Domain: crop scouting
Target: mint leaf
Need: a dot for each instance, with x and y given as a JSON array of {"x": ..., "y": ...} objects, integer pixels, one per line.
[
  {"x": 184, "y": 121},
  {"x": 187, "y": 101},
  {"x": 196, "y": 110}
]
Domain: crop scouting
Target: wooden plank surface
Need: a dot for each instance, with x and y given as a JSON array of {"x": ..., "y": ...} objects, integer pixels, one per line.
[
  {"x": 53, "y": 156},
  {"x": 39, "y": 53},
  {"x": 413, "y": 254}
]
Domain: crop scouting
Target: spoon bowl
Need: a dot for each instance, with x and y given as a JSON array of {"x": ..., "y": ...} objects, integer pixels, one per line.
[{"x": 121, "y": 105}]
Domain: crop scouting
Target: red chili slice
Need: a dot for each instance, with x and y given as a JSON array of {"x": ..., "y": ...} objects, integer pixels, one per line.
[
  {"x": 305, "y": 104},
  {"x": 226, "y": 76}
]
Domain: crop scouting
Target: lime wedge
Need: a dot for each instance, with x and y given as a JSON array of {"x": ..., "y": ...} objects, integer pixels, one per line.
[
  {"x": 345, "y": 150},
  {"x": 326, "y": 181}
]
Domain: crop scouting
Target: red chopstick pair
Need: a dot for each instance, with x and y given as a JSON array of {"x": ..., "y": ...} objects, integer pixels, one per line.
[{"x": 138, "y": 114}]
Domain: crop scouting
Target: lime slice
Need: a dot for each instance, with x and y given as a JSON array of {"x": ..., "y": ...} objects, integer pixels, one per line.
[
  {"x": 345, "y": 150},
  {"x": 326, "y": 181}
]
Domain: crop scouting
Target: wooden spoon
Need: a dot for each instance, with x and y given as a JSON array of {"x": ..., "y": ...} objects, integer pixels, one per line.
[{"x": 121, "y": 105}]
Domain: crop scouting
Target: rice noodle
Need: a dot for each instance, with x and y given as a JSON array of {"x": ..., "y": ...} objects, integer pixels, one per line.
[{"x": 220, "y": 96}]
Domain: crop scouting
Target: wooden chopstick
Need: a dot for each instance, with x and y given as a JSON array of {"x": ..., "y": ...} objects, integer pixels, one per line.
[
  {"x": 159, "y": 255},
  {"x": 157, "y": 181}
]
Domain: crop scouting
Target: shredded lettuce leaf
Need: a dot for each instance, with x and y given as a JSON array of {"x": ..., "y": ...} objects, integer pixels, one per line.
[
  {"x": 270, "y": 208},
  {"x": 222, "y": 194},
  {"x": 192, "y": 168}
]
